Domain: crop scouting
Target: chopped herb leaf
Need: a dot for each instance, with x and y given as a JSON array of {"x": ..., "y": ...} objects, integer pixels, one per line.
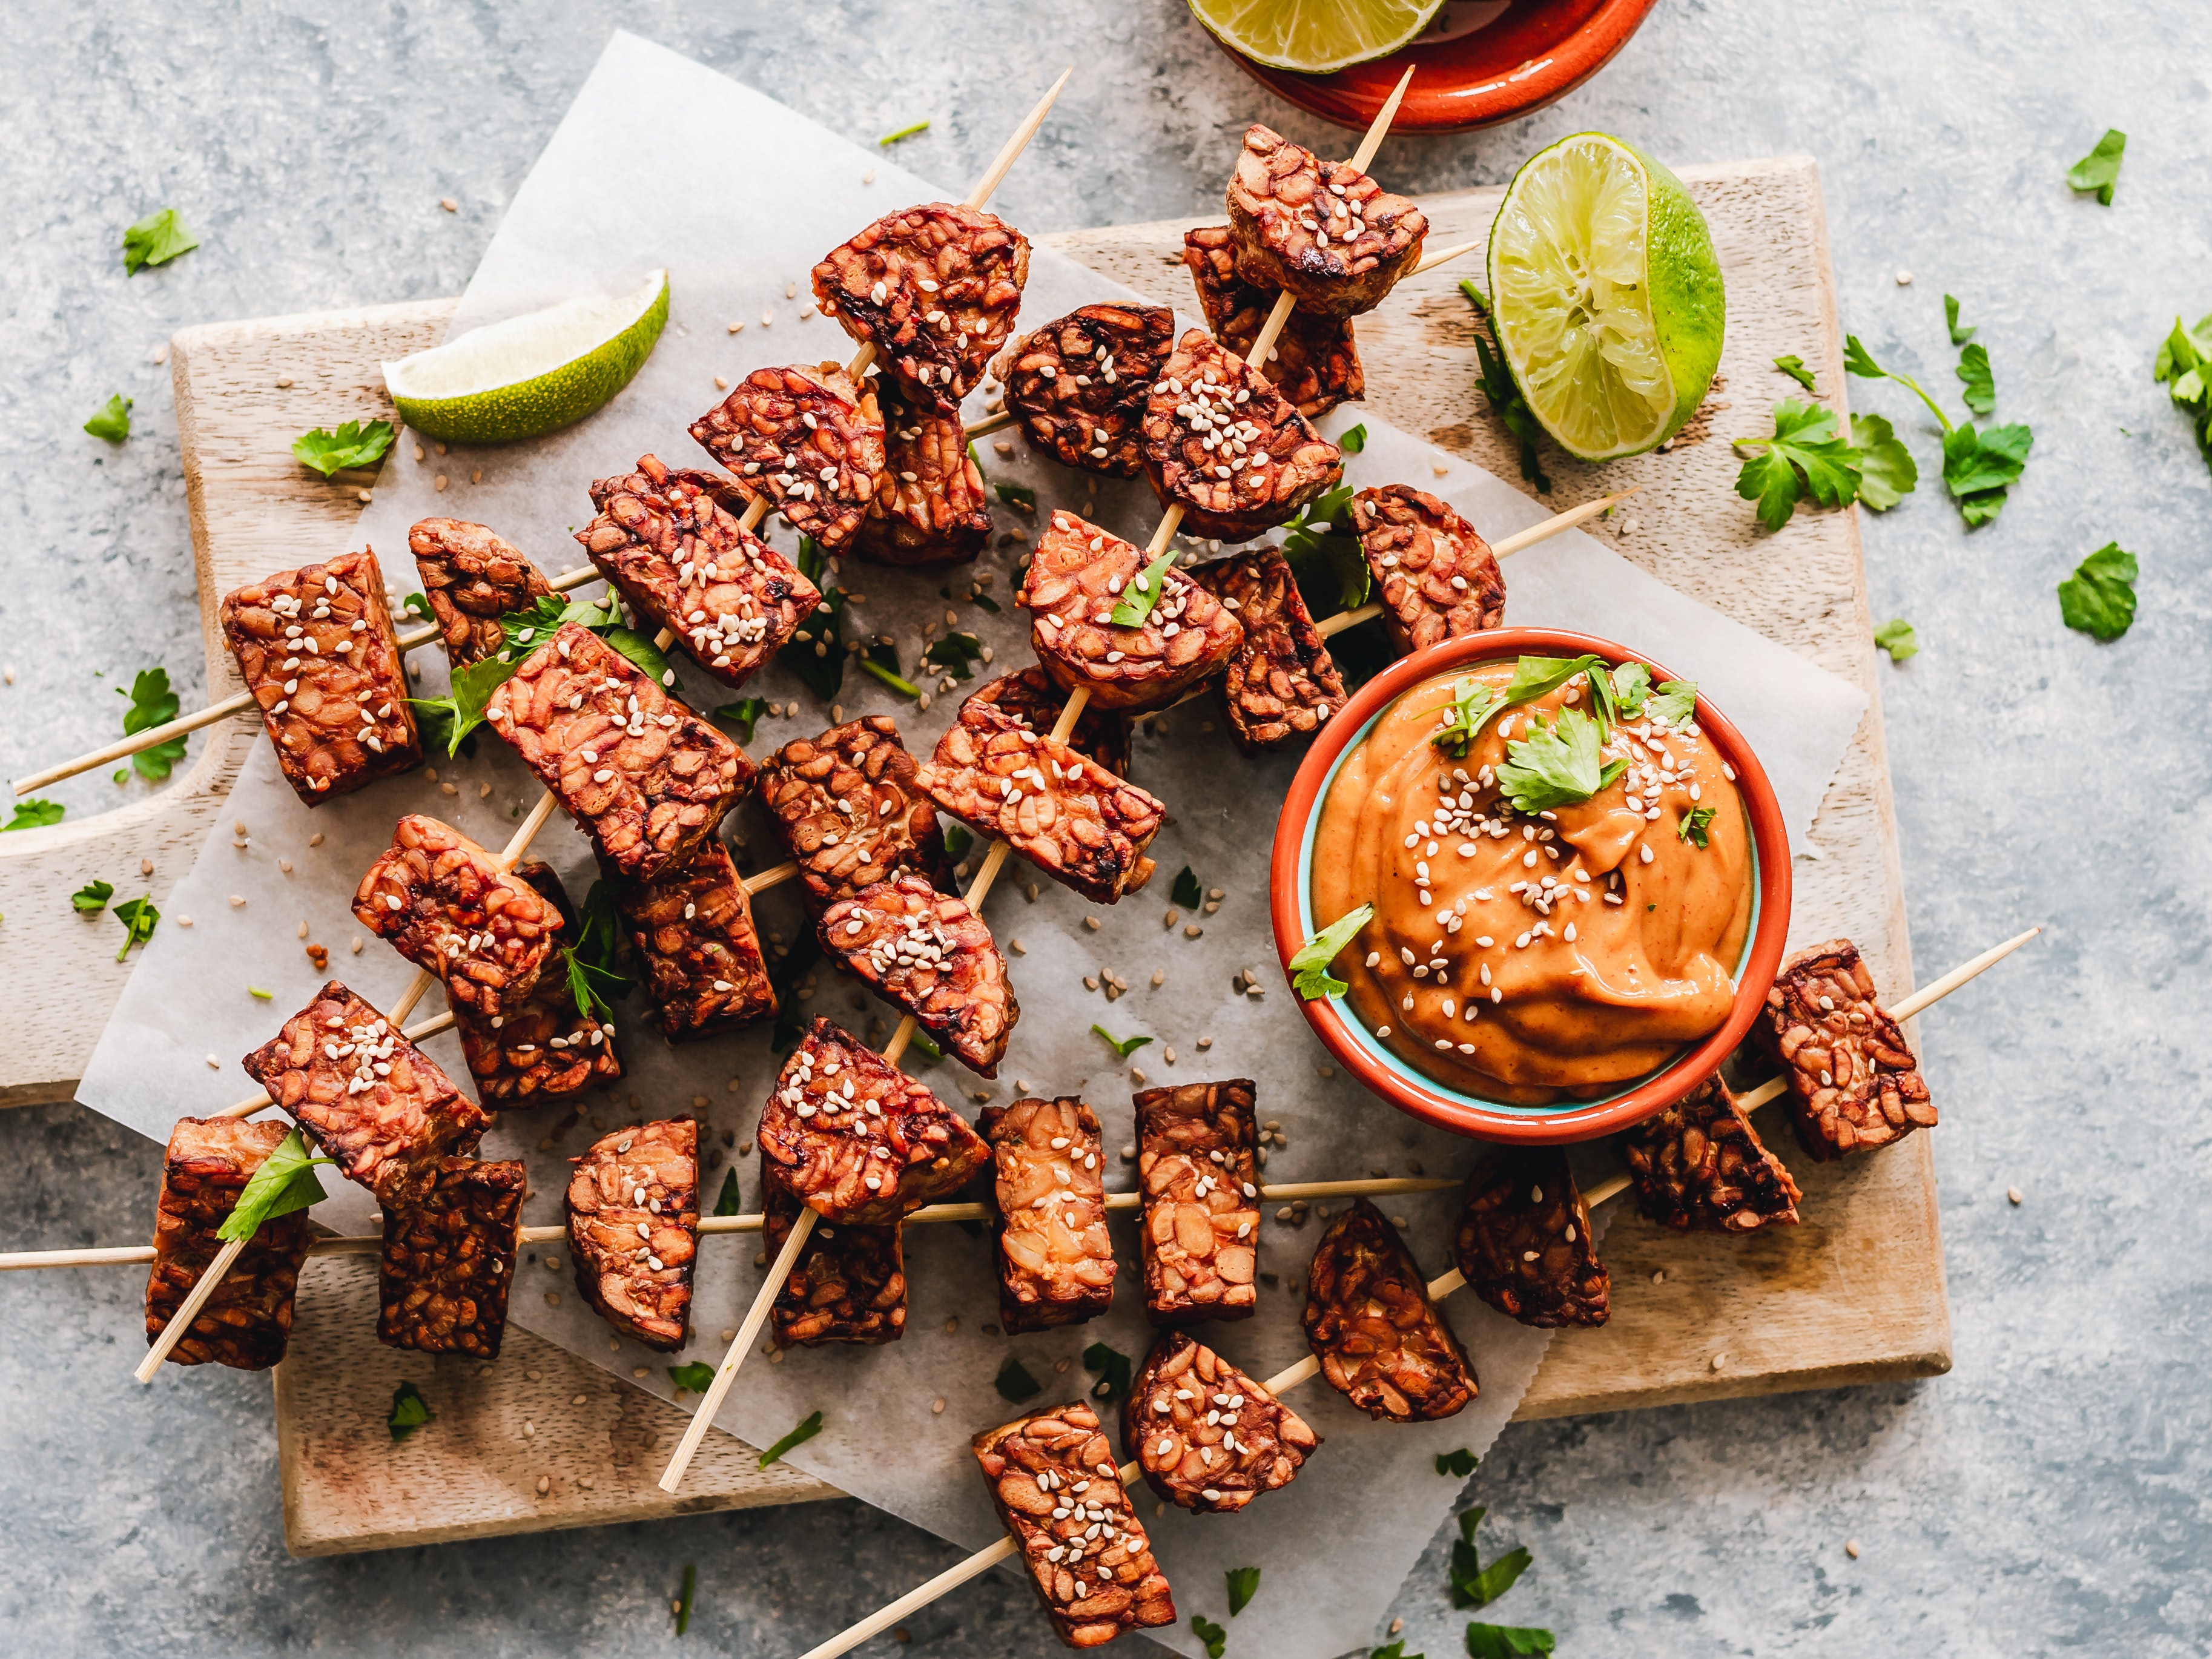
[
  {"x": 1556, "y": 764},
  {"x": 284, "y": 1182},
  {"x": 33, "y": 815},
  {"x": 925, "y": 1044},
  {"x": 1473, "y": 701},
  {"x": 1113, "y": 1368},
  {"x": 409, "y": 1412},
  {"x": 1896, "y": 636},
  {"x": 1331, "y": 567},
  {"x": 152, "y": 704},
  {"x": 1187, "y": 892},
  {"x": 1243, "y": 1584},
  {"x": 1806, "y": 457},
  {"x": 1695, "y": 826},
  {"x": 1631, "y": 683},
  {"x": 1504, "y": 392},
  {"x": 986, "y": 602},
  {"x": 1981, "y": 393},
  {"x": 1395, "y": 1650},
  {"x": 453, "y": 719},
  {"x": 696, "y": 1377},
  {"x": 1014, "y": 1382},
  {"x": 2182, "y": 367},
  {"x": 798, "y": 1437},
  {"x": 641, "y": 651},
  {"x": 112, "y": 420},
  {"x": 1143, "y": 593},
  {"x": 1980, "y": 467},
  {"x": 526, "y": 629},
  {"x": 1534, "y": 677},
  {"x": 815, "y": 652},
  {"x": 1309, "y": 967},
  {"x": 138, "y": 916},
  {"x": 2099, "y": 598},
  {"x": 1124, "y": 1048},
  {"x": 2099, "y": 170},
  {"x": 727, "y": 1201},
  {"x": 1887, "y": 472},
  {"x": 1959, "y": 336},
  {"x": 957, "y": 840},
  {"x": 1794, "y": 367},
  {"x": 1213, "y": 1635},
  {"x": 742, "y": 716},
  {"x": 92, "y": 898},
  {"x": 1675, "y": 701},
  {"x": 1016, "y": 494},
  {"x": 1858, "y": 361},
  {"x": 785, "y": 977},
  {"x": 870, "y": 662},
  {"x": 1473, "y": 1585},
  {"x": 1353, "y": 439},
  {"x": 683, "y": 1597},
  {"x": 355, "y": 444},
  {"x": 955, "y": 655},
  {"x": 155, "y": 240},
  {"x": 418, "y": 604},
  {"x": 1460, "y": 1464},
  {"x": 1506, "y": 1642},
  {"x": 890, "y": 138}
]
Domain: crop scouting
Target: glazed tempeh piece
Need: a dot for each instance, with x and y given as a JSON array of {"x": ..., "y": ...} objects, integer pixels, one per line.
[
  {"x": 444, "y": 903},
  {"x": 1056, "y": 1257},
  {"x": 934, "y": 289},
  {"x": 1523, "y": 1240},
  {"x": 1854, "y": 1083},
  {"x": 1211, "y": 1438},
  {"x": 1030, "y": 698},
  {"x": 1699, "y": 1166},
  {"x": 928, "y": 954},
  {"x": 634, "y": 1228},
  {"x": 644, "y": 777},
  {"x": 849, "y": 1283},
  {"x": 472, "y": 577},
  {"x": 316, "y": 648},
  {"x": 1224, "y": 445},
  {"x": 370, "y": 1099},
  {"x": 1436, "y": 578},
  {"x": 1079, "y": 384},
  {"x": 808, "y": 441},
  {"x": 448, "y": 1260},
  {"x": 850, "y": 809},
  {"x": 545, "y": 1049},
  {"x": 1081, "y": 575},
  {"x": 1078, "y": 823},
  {"x": 1058, "y": 1491},
  {"x": 700, "y": 953},
  {"x": 1199, "y": 1180},
  {"x": 1381, "y": 1342},
  {"x": 1323, "y": 230},
  {"x": 857, "y": 1140},
  {"x": 1315, "y": 362},
  {"x": 930, "y": 507},
  {"x": 1280, "y": 682},
  {"x": 667, "y": 540},
  {"x": 247, "y": 1321}
]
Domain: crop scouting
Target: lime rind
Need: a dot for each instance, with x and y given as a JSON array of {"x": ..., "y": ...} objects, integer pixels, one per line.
[{"x": 1315, "y": 39}]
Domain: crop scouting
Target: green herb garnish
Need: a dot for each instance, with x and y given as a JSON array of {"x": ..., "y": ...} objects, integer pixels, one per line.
[
  {"x": 1506, "y": 1642},
  {"x": 2099, "y": 170},
  {"x": 1806, "y": 457},
  {"x": 91, "y": 899},
  {"x": 1473, "y": 704},
  {"x": 1310, "y": 977},
  {"x": 683, "y": 1599},
  {"x": 450, "y": 719},
  {"x": 155, "y": 240},
  {"x": 1556, "y": 764},
  {"x": 152, "y": 704},
  {"x": 409, "y": 1412},
  {"x": 696, "y": 1377},
  {"x": 1243, "y": 1584},
  {"x": 785, "y": 977},
  {"x": 353, "y": 444},
  {"x": 1353, "y": 439},
  {"x": 728, "y": 1201},
  {"x": 284, "y": 1182},
  {"x": 1794, "y": 367},
  {"x": 1504, "y": 392},
  {"x": 1896, "y": 636},
  {"x": 1213, "y": 1635},
  {"x": 798, "y": 1437},
  {"x": 1187, "y": 891},
  {"x": 1473, "y": 1585},
  {"x": 2099, "y": 598},
  {"x": 138, "y": 917},
  {"x": 260, "y": 994},
  {"x": 1395, "y": 1650},
  {"x": 1458, "y": 1464},
  {"x": 1979, "y": 466},
  {"x": 955, "y": 655},
  {"x": 1016, "y": 494},
  {"x": 1887, "y": 472},
  {"x": 1674, "y": 701},
  {"x": 925, "y": 1044},
  {"x": 1123, "y": 1047},
  {"x": 1143, "y": 593},
  {"x": 418, "y": 604},
  {"x": 890, "y": 138},
  {"x": 1959, "y": 336},
  {"x": 957, "y": 840},
  {"x": 2181, "y": 366},
  {"x": 642, "y": 652},
  {"x": 1113, "y": 1368},
  {"x": 1694, "y": 827},
  {"x": 33, "y": 815},
  {"x": 1331, "y": 567},
  {"x": 742, "y": 716},
  {"x": 1014, "y": 1382},
  {"x": 816, "y": 651},
  {"x": 1981, "y": 392},
  {"x": 112, "y": 420}
]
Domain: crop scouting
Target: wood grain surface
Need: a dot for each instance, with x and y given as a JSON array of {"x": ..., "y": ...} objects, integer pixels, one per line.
[{"x": 1855, "y": 1294}]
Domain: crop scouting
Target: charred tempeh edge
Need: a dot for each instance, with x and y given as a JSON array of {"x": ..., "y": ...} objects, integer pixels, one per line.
[
  {"x": 698, "y": 949},
  {"x": 1854, "y": 1083},
  {"x": 1437, "y": 578},
  {"x": 316, "y": 649},
  {"x": 472, "y": 577},
  {"x": 1210, "y": 1439},
  {"x": 1031, "y": 700},
  {"x": 1196, "y": 1168},
  {"x": 444, "y": 903},
  {"x": 642, "y": 1177},
  {"x": 1056, "y": 1256},
  {"x": 1700, "y": 1166},
  {"x": 1058, "y": 1492},
  {"x": 1315, "y": 362},
  {"x": 246, "y": 1322},
  {"x": 447, "y": 1263},
  {"x": 849, "y": 1284},
  {"x": 807, "y": 441},
  {"x": 1280, "y": 682},
  {"x": 930, "y": 507},
  {"x": 849, "y": 808},
  {"x": 1323, "y": 230},
  {"x": 1523, "y": 1242},
  {"x": 1223, "y": 444},
  {"x": 930, "y": 955},
  {"x": 1079, "y": 383},
  {"x": 1382, "y": 1343},
  {"x": 547, "y": 1049}
]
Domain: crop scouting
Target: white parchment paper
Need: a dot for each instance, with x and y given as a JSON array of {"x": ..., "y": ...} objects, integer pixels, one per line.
[{"x": 765, "y": 192}]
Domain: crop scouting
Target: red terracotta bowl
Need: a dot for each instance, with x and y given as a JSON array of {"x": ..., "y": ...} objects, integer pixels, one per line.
[
  {"x": 1383, "y": 1072},
  {"x": 1534, "y": 53}
]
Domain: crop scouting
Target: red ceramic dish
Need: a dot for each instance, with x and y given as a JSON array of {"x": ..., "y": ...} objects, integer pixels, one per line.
[
  {"x": 1533, "y": 54},
  {"x": 1383, "y": 1073}
]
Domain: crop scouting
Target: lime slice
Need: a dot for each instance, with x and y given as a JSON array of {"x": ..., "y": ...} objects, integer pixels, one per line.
[
  {"x": 530, "y": 375},
  {"x": 1605, "y": 295},
  {"x": 1314, "y": 36}
]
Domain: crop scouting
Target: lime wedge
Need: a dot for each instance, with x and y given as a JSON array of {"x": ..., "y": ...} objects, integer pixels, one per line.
[
  {"x": 1314, "y": 36},
  {"x": 530, "y": 375},
  {"x": 1607, "y": 296}
]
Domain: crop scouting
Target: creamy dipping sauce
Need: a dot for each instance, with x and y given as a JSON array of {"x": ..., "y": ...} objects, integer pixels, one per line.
[{"x": 1531, "y": 958}]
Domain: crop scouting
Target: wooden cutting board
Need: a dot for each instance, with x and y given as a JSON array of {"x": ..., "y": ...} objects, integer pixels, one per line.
[{"x": 1855, "y": 1294}]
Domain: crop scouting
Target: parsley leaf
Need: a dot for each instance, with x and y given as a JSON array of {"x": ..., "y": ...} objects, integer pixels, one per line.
[
  {"x": 1016, "y": 495},
  {"x": 1506, "y": 1642},
  {"x": 1014, "y": 1382},
  {"x": 1980, "y": 467},
  {"x": 1794, "y": 367},
  {"x": 798, "y": 1437},
  {"x": 1632, "y": 684},
  {"x": 1555, "y": 765},
  {"x": 91, "y": 899},
  {"x": 2099, "y": 170},
  {"x": 696, "y": 1377},
  {"x": 642, "y": 652},
  {"x": 1858, "y": 361},
  {"x": 1473, "y": 704},
  {"x": 955, "y": 655},
  {"x": 451, "y": 718},
  {"x": 1213, "y": 1635},
  {"x": 1460, "y": 1464},
  {"x": 2099, "y": 598},
  {"x": 1243, "y": 1585},
  {"x": 683, "y": 1597},
  {"x": 152, "y": 704},
  {"x": 2181, "y": 366},
  {"x": 816, "y": 651},
  {"x": 1896, "y": 636},
  {"x": 417, "y": 603},
  {"x": 1118, "y": 1045},
  {"x": 1353, "y": 439},
  {"x": 742, "y": 716},
  {"x": 1321, "y": 556},
  {"x": 155, "y": 240},
  {"x": 524, "y": 631},
  {"x": 1674, "y": 701},
  {"x": 33, "y": 815},
  {"x": 1694, "y": 827},
  {"x": 1533, "y": 676},
  {"x": 890, "y": 138},
  {"x": 409, "y": 1412},
  {"x": 1395, "y": 1650},
  {"x": 957, "y": 840},
  {"x": 1959, "y": 336},
  {"x": 1981, "y": 393},
  {"x": 284, "y": 1182},
  {"x": 1504, "y": 392},
  {"x": 1473, "y": 1585},
  {"x": 926, "y": 1045},
  {"x": 1113, "y": 1368},
  {"x": 1187, "y": 892},
  {"x": 1807, "y": 456},
  {"x": 728, "y": 1201},
  {"x": 593, "y": 961},
  {"x": 1143, "y": 593},
  {"x": 138, "y": 917},
  {"x": 112, "y": 420},
  {"x": 1309, "y": 967},
  {"x": 1887, "y": 472},
  {"x": 353, "y": 443}
]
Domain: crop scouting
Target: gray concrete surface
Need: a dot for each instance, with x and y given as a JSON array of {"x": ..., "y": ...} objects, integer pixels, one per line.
[{"x": 2052, "y": 1494}]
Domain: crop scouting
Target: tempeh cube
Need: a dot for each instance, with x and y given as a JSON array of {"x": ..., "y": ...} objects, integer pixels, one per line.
[
  {"x": 806, "y": 440},
  {"x": 316, "y": 649},
  {"x": 1323, "y": 230},
  {"x": 1079, "y": 384},
  {"x": 1076, "y": 822},
  {"x": 668, "y": 541},
  {"x": 644, "y": 777},
  {"x": 1210, "y": 1439},
  {"x": 448, "y": 1260},
  {"x": 928, "y": 954},
  {"x": 1523, "y": 1242},
  {"x": 445, "y": 905},
  {"x": 857, "y": 1140},
  {"x": 472, "y": 577},
  {"x": 546, "y": 1048},
  {"x": 370, "y": 1099},
  {"x": 1700, "y": 1166},
  {"x": 1056, "y": 1257},
  {"x": 1080, "y": 576},
  {"x": 934, "y": 289},
  {"x": 930, "y": 507},
  {"x": 1315, "y": 362},
  {"x": 1854, "y": 1083},
  {"x": 1280, "y": 682},
  {"x": 1382, "y": 1343},
  {"x": 700, "y": 952},
  {"x": 634, "y": 1228},
  {"x": 850, "y": 809},
  {"x": 1196, "y": 1168},
  {"x": 849, "y": 1284},
  {"x": 1225, "y": 446},
  {"x": 1059, "y": 1494},
  {"x": 1032, "y": 700},
  {"x": 246, "y": 1321},
  {"x": 1437, "y": 578}
]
